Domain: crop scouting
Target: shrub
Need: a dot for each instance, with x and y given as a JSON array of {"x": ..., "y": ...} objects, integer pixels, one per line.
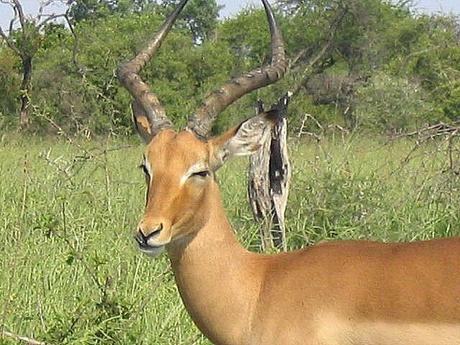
[{"x": 394, "y": 104}]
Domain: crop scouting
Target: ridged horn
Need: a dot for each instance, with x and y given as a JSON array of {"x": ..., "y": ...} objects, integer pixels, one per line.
[
  {"x": 202, "y": 120},
  {"x": 146, "y": 104}
]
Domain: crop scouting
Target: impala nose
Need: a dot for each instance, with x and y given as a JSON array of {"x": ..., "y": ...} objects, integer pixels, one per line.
[{"x": 142, "y": 237}]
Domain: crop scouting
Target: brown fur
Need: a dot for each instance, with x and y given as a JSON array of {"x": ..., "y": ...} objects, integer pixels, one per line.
[{"x": 339, "y": 293}]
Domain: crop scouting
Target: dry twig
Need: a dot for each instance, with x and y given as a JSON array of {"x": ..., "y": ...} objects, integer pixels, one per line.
[
  {"x": 442, "y": 133},
  {"x": 27, "y": 340}
]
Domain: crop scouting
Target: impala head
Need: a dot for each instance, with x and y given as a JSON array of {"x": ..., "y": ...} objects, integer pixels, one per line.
[{"x": 179, "y": 167}]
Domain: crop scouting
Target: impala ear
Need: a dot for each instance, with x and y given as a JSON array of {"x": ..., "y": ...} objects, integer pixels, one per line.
[
  {"x": 241, "y": 140},
  {"x": 141, "y": 122}
]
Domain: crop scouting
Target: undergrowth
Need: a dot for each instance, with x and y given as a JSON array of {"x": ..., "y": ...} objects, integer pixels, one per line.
[{"x": 69, "y": 270}]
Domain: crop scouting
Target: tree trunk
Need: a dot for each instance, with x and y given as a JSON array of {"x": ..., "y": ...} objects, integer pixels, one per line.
[
  {"x": 268, "y": 182},
  {"x": 24, "y": 119},
  {"x": 259, "y": 192},
  {"x": 280, "y": 177}
]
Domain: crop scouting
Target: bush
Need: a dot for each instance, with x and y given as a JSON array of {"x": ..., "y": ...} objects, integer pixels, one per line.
[{"x": 394, "y": 104}]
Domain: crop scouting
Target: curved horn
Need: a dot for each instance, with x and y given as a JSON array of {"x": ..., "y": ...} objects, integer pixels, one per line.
[
  {"x": 201, "y": 122},
  {"x": 146, "y": 103}
]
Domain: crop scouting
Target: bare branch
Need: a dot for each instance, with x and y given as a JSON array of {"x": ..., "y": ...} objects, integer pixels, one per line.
[
  {"x": 13, "y": 20},
  {"x": 50, "y": 18},
  {"x": 26, "y": 340},
  {"x": 310, "y": 65},
  {"x": 297, "y": 57},
  {"x": 9, "y": 42},
  {"x": 430, "y": 132},
  {"x": 326, "y": 47},
  {"x": 15, "y": 16},
  {"x": 43, "y": 5},
  {"x": 79, "y": 68},
  {"x": 22, "y": 18}
]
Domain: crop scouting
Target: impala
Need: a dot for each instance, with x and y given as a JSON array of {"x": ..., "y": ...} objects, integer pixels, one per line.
[{"x": 339, "y": 293}]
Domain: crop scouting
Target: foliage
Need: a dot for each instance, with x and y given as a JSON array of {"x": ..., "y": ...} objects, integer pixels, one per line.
[
  {"x": 94, "y": 9},
  {"x": 368, "y": 43},
  {"x": 199, "y": 16},
  {"x": 394, "y": 104},
  {"x": 9, "y": 81}
]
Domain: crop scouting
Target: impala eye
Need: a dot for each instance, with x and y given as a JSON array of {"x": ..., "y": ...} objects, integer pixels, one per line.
[{"x": 203, "y": 173}]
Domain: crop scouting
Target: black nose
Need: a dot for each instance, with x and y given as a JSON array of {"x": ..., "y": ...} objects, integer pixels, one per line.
[{"x": 142, "y": 239}]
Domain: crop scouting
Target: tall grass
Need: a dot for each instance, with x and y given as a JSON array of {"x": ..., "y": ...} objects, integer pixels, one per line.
[{"x": 70, "y": 273}]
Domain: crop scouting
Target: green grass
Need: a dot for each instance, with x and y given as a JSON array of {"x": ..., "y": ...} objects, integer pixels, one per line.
[{"x": 70, "y": 273}]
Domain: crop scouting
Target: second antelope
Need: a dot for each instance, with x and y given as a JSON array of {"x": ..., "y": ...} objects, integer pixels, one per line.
[{"x": 339, "y": 293}]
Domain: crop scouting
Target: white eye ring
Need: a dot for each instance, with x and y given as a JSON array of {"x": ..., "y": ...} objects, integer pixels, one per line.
[
  {"x": 204, "y": 173},
  {"x": 144, "y": 169}
]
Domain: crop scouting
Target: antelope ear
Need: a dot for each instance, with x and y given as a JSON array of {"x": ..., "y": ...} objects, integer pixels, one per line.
[
  {"x": 142, "y": 123},
  {"x": 241, "y": 140}
]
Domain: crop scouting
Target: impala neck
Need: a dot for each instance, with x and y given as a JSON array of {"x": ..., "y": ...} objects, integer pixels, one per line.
[{"x": 216, "y": 277}]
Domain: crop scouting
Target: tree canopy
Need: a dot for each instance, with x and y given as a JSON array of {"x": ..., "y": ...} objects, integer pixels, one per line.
[{"x": 369, "y": 64}]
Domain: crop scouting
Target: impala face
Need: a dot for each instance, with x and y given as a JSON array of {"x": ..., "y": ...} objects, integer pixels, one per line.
[{"x": 179, "y": 172}]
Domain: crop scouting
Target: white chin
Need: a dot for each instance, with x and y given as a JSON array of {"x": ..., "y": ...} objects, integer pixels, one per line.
[{"x": 152, "y": 251}]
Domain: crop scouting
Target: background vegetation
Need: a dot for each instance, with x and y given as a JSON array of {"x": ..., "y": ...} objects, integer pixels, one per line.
[
  {"x": 372, "y": 82},
  {"x": 69, "y": 269},
  {"x": 360, "y": 64}
]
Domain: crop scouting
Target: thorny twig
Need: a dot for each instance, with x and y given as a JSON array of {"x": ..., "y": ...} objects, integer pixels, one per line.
[
  {"x": 318, "y": 137},
  {"x": 431, "y": 133},
  {"x": 62, "y": 132}
]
